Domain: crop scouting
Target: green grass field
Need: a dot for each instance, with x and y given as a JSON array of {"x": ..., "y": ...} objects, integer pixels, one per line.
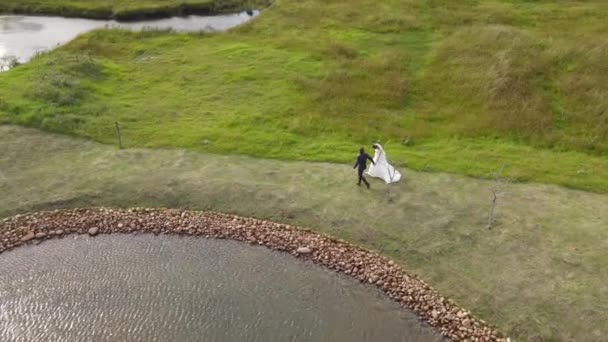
[
  {"x": 463, "y": 87},
  {"x": 539, "y": 273}
]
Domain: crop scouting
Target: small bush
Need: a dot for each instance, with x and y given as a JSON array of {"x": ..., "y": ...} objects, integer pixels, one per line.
[
  {"x": 341, "y": 51},
  {"x": 61, "y": 123},
  {"x": 8, "y": 62},
  {"x": 61, "y": 83},
  {"x": 57, "y": 88}
]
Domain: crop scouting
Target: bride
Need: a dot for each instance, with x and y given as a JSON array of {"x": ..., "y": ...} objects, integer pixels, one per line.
[{"x": 382, "y": 169}]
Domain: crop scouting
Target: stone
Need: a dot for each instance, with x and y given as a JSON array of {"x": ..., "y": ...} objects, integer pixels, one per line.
[
  {"x": 59, "y": 232},
  {"x": 93, "y": 231},
  {"x": 40, "y": 235},
  {"x": 304, "y": 250},
  {"x": 27, "y": 237}
]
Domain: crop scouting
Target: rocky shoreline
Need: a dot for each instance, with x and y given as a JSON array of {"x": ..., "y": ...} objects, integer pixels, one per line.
[{"x": 442, "y": 313}]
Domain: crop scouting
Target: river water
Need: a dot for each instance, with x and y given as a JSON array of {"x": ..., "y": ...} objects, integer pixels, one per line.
[
  {"x": 168, "y": 288},
  {"x": 24, "y": 36}
]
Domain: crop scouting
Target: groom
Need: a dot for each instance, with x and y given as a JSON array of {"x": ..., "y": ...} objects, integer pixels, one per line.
[{"x": 362, "y": 164}]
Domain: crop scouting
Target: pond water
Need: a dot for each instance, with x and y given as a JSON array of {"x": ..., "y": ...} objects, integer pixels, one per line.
[
  {"x": 22, "y": 37},
  {"x": 168, "y": 288}
]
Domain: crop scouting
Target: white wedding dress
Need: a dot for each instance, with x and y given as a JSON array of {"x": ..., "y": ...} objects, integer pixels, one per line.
[{"x": 383, "y": 169}]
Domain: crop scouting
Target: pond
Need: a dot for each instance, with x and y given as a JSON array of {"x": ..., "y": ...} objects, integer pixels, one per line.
[
  {"x": 21, "y": 37},
  {"x": 168, "y": 288}
]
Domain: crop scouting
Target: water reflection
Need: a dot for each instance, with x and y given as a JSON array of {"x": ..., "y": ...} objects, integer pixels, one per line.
[
  {"x": 24, "y": 36},
  {"x": 146, "y": 288}
]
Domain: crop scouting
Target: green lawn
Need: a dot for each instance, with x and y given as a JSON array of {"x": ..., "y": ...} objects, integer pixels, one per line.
[
  {"x": 463, "y": 87},
  {"x": 124, "y": 9},
  {"x": 539, "y": 273}
]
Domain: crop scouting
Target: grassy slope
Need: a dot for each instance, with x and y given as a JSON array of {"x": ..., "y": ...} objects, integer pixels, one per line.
[
  {"x": 540, "y": 273},
  {"x": 123, "y": 9},
  {"x": 473, "y": 84}
]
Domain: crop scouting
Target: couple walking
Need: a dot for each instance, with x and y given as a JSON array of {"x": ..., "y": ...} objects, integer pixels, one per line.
[{"x": 380, "y": 167}]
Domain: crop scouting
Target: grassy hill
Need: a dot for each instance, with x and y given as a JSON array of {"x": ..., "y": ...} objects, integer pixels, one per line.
[{"x": 462, "y": 86}]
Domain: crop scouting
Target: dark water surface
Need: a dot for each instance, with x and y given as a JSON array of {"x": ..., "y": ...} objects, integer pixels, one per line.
[
  {"x": 167, "y": 288},
  {"x": 24, "y": 36}
]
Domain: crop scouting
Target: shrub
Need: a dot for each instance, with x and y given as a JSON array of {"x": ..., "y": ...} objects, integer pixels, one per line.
[
  {"x": 341, "y": 51},
  {"x": 8, "y": 62},
  {"x": 61, "y": 83}
]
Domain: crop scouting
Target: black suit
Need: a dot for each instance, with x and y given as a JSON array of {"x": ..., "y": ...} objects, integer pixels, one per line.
[{"x": 362, "y": 164}]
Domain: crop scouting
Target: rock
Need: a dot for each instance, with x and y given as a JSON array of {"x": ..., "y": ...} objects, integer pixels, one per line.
[
  {"x": 27, "y": 237},
  {"x": 304, "y": 250},
  {"x": 40, "y": 235},
  {"x": 466, "y": 323},
  {"x": 93, "y": 231},
  {"x": 59, "y": 232}
]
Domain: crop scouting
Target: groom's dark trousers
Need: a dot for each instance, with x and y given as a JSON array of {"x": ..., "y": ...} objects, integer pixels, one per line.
[
  {"x": 362, "y": 165},
  {"x": 361, "y": 178}
]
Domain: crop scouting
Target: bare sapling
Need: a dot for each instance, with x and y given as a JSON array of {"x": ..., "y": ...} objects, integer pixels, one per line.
[
  {"x": 117, "y": 127},
  {"x": 498, "y": 191}
]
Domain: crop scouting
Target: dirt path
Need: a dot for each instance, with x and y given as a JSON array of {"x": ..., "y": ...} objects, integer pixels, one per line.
[{"x": 539, "y": 273}]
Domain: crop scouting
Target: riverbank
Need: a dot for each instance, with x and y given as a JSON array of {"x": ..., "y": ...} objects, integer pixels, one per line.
[
  {"x": 128, "y": 10},
  {"x": 538, "y": 274},
  {"x": 406, "y": 289}
]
